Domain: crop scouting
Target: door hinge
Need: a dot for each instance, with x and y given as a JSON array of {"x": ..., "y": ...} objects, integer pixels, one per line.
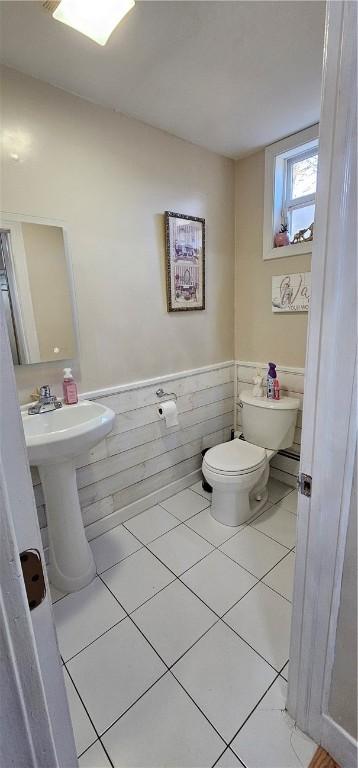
[
  {"x": 304, "y": 484},
  {"x": 33, "y": 576}
]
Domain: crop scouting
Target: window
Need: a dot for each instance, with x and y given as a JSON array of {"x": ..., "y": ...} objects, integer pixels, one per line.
[
  {"x": 299, "y": 204},
  {"x": 290, "y": 192}
]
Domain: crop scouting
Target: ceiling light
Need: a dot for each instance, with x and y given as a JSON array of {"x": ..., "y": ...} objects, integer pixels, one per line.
[{"x": 95, "y": 18}]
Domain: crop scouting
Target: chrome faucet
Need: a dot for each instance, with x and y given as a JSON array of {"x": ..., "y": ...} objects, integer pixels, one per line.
[{"x": 46, "y": 402}]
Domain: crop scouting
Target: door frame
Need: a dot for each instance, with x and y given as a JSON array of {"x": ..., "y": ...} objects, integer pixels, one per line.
[
  {"x": 44, "y": 736},
  {"x": 37, "y": 730},
  {"x": 329, "y": 434}
]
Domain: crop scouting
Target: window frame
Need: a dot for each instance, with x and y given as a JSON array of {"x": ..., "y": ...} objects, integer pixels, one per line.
[
  {"x": 293, "y": 203},
  {"x": 277, "y": 157}
]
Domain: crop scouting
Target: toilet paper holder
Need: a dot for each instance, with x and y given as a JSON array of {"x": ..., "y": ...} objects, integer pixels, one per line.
[{"x": 160, "y": 393}]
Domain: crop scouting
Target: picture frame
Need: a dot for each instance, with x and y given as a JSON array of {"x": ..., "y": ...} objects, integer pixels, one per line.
[
  {"x": 291, "y": 292},
  {"x": 185, "y": 262}
]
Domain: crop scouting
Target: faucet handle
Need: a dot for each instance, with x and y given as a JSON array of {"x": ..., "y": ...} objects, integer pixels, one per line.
[{"x": 46, "y": 401}]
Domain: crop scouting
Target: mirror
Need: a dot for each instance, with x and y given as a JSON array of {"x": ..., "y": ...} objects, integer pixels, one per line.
[{"x": 36, "y": 292}]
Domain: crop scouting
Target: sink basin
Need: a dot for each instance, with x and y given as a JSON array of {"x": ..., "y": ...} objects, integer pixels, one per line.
[
  {"x": 53, "y": 440},
  {"x": 66, "y": 432}
]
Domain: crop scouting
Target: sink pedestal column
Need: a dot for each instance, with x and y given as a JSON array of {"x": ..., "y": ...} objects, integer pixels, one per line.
[{"x": 71, "y": 561}]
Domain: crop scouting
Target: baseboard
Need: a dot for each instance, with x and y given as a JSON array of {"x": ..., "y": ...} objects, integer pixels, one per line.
[
  {"x": 284, "y": 477},
  {"x": 167, "y": 377},
  {"x": 131, "y": 510},
  {"x": 339, "y": 743},
  {"x": 282, "y": 368}
]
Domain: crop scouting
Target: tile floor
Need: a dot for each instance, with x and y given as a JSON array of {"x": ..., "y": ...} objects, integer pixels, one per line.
[{"x": 177, "y": 654}]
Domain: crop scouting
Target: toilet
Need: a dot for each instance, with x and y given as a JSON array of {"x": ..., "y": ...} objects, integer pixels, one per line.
[{"x": 238, "y": 470}]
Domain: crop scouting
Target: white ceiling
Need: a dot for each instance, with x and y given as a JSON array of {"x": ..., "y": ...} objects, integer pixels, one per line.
[{"x": 230, "y": 76}]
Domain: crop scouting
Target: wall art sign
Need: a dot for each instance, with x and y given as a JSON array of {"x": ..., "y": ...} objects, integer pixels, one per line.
[
  {"x": 185, "y": 261},
  {"x": 291, "y": 293}
]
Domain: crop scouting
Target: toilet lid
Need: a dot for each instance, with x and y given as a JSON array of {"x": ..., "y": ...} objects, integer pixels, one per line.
[{"x": 236, "y": 457}]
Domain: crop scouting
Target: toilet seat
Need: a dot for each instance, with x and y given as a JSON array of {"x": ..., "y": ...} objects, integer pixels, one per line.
[{"x": 235, "y": 458}]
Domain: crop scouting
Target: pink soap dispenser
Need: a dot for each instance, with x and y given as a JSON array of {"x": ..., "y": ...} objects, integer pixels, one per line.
[{"x": 70, "y": 395}]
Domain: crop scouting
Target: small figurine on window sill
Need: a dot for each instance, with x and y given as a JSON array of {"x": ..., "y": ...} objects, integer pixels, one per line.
[
  {"x": 303, "y": 235},
  {"x": 282, "y": 237}
]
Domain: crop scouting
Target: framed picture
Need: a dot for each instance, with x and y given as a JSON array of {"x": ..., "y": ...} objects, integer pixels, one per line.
[
  {"x": 291, "y": 293},
  {"x": 185, "y": 260}
]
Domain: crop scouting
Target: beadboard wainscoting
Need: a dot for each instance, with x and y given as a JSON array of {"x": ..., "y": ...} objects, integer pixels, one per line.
[
  {"x": 283, "y": 467},
  {"x": 142, "y": 462}
]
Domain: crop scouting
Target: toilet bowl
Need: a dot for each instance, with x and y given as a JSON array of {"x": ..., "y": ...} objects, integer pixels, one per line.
[
  {"x": 238, "y": 470},
  {"x": 238, "y": 473}
]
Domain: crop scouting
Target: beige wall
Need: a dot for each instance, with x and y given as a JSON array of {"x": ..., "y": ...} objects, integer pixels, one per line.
[
  {"x": 50, "y": 290},
  {"x": 109, "y": 178},
  {"x": 260, "y": 335}
]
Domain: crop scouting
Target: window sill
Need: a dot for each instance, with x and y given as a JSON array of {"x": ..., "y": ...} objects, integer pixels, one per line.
[{"x": 296, "y": 249}]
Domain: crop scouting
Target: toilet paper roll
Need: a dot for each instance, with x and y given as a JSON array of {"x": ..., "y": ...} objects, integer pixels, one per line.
[{"x": 169, "y": 412}]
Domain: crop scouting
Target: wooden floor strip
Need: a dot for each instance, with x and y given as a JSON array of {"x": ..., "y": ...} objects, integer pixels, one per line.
[{"x": 321, "y": 759}]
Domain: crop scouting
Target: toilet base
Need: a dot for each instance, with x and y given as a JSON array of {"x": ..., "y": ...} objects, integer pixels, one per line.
[{"x": 233, "y": 508}]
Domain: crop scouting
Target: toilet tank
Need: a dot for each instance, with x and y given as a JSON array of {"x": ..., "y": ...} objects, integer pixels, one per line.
[{"x": 268, "y": 423}]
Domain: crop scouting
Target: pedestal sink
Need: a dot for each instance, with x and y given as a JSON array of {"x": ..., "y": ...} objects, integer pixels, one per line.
[{"x": 53, "y": 440}]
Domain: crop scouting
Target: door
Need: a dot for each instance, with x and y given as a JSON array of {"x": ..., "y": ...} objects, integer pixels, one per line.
[
  {"x": 329, "y": 418},
  {"x": 36, "y": 730}
]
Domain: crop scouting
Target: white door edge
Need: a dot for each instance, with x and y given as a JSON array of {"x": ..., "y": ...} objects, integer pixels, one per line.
[
  {"x": 36, "y": 727},
  {"x": 329, "y": 417}
]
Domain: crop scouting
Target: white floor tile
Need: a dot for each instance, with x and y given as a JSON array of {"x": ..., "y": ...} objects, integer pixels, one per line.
[
  {"x": 225, "y": 678},
  {"x": 114, "y": 671},
  {"x": 151, "y": 523},
  {"x": 83, "y": 729},
  {"x": 164, "y": 728},
  {"x": 173, "y": 620},
  {"x": 218, "y": 581},
  {"x": 279, "y": 524},
  {"x": 254, "y": 551},
  {"x": 277, "y": 490},
  {"x": 94, "y": 757},
  {"x": 263, "y": 509},
  {"x": 112, "y": 547},
  {"x": 198, "y": 488},
  {"x": 214, "y": 532},
  {"x": 185, "y": 504},
  {"x": 84, "y": 615},
  {"x": 281, "y": 577},
  {"x": 263, "y": 619},
  {"x": 180, "y": 548},
  {"x": 137, "y": 578},
  {"x": 56, "y": 594},
  {"x": 228, "y": 760},
  {"x": 284, "y": 672},
  {"x": 270, "y": 739},
  {"x": 290, "y": 502}
]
